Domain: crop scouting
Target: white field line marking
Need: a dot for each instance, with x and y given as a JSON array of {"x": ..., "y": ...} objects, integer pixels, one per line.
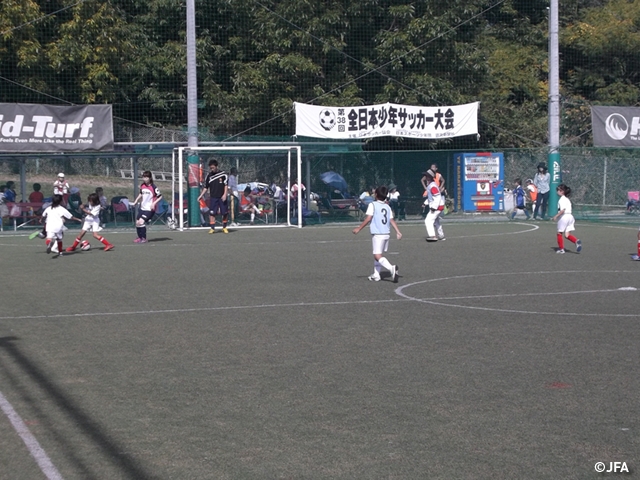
[
  {"x": 400, "y": 292},
  {"x": 201, "y": 309},
  {"x": 532, "y": 294},
  {"x": 151, "y": 244},
  {"x": 36, "y": 451}
]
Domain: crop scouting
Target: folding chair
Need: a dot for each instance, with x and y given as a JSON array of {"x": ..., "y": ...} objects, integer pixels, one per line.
[
  {"x": 633, "y": 203},
  {"x": 121, "y": 209},
  {"x": 162, "y": 213}
]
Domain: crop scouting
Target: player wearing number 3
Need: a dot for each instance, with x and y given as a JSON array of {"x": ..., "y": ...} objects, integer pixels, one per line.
[{"x": 380, "y": 217}]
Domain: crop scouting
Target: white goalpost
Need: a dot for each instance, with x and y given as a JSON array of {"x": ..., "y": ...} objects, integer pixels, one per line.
[{"x": 246, "y": 159}]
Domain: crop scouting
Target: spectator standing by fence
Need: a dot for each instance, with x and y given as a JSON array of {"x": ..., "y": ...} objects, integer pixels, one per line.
[{"x": 542, "y": 181}]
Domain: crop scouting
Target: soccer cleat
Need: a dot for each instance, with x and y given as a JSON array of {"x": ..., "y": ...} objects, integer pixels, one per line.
[
  {"x": 432, "y": 239},
  {"x": 143, "y": 240},
  {"x": 212, "y": 231},
  {"x": 108, "y": 247},
  {"x": 49, "y": 247},
  {"x": 441, "y": 239},
  {"x": 71, "y": 249},
  {"x": 560, "y": 250},
  {"x": 635, "y": 258},
  {"x": 374, "y": 278},
  {"x": 394, "y": 273},
  {"x": 138, "y": 240},
  {"x": 224, "y": 230},
  {"x": 578, "y": 246}
]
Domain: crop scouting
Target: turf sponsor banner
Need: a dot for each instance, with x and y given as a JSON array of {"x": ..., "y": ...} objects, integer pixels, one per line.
[
  {"x": 50, "y": 128},
  {"x": 387, "y": 119},
  {"x": 616, "y": 126}
]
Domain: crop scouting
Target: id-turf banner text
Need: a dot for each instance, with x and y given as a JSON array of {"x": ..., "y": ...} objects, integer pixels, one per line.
[
  {"x": 388, "y": 119},
  {"x": 28, "y": 127}
]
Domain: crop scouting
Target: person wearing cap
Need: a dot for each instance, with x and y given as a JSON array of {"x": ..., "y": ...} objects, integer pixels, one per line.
[
  {"x": 61, "y": 187},
  {"x": 542, "y": 181},
  {"x": 438, "y": 178}
]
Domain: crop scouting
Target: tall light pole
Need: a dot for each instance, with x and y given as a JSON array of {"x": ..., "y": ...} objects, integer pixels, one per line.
[
  {"x": 554, "y": 107},
  {"x": 193, "y": 161}
]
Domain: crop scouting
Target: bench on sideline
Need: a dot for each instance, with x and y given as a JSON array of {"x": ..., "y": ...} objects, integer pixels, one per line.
[
  {"x": 342, "y": 207},
  {"x": 29, "y": 214},
  {"x": 157, "y": 176}
]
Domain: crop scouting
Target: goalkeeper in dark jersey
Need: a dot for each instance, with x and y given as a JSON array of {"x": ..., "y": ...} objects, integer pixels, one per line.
[{"x": 217, "y": 184}]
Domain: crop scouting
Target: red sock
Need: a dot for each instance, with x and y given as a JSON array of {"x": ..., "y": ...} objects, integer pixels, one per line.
[
  {"x": 560, "y": 241},
  {"x": 102, "y": 240},
  {"x": 639, "y": 248},
  {"x": 572, "y": 238},
  {"x": 76, "y": 242},
  {"x": 60, "y": 245}
]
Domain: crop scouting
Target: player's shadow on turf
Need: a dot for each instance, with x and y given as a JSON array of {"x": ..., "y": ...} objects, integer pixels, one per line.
[
  {"x": 159, "y": 239},
  {"x": 112, "y": 452}
]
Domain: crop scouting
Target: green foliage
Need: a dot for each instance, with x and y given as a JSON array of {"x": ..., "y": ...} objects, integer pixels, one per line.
[{"x": 256, "y": 57}]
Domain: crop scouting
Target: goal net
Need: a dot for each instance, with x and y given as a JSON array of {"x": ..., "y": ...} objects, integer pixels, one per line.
[{"x": 272, "y": 173}]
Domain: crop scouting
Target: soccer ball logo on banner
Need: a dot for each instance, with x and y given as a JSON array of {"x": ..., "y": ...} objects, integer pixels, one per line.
[{"x": 327, "y": 119}]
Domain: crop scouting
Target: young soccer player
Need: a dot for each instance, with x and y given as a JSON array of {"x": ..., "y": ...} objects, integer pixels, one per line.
[
  {"x": 91, "y": 223},
  {"x": 566, "y": 222},
  {"x": 148, "y": 198},
  {"x": 54, "y": 216},
  {"x": 519, "y": 199},
  {"x": 435, "y": 207},
  {"x": 380, "y": 217}
]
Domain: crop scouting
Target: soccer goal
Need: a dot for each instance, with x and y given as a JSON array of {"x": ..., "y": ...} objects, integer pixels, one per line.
[{"x": 275, "y": 171}]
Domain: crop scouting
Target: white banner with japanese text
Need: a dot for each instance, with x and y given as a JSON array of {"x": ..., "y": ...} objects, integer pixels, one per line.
[{"x": 387, "y": 119}]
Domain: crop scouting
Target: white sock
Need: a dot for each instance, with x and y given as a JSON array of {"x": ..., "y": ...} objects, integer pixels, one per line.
[{"x": 385, "y": 263}]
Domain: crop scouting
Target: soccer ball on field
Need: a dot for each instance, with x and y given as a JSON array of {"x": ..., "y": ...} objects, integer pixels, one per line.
[
  {"x": 327, "y": 119},
  {"x": 84, "y": 246}
]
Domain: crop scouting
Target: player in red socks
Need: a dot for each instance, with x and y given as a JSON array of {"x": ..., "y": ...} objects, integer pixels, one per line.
[
  {"x": 566, "y": 222},
  {"x": 91, "y": 223}
]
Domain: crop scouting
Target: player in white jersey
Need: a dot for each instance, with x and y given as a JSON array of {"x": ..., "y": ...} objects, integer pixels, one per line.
[
  {"x": 435, "y": 205},
  {"x": 54, "y": 216},
  {"x": 91, "y": 223},
  {"x": 379, "y": 217},
  {"x": 149, "y": 197},
  {"x": 564, "y": 217}
]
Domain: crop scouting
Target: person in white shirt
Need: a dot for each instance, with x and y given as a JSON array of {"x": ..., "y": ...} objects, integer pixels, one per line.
[
  {"x": 54, "y": 217},
  {"x": 91, "y": 223},
  {"x": 380, "y": 218},
  {"x": 61, "y": 187},
  {"x": 435, "y": 206},
  {"x": 564, "y": 217}
]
